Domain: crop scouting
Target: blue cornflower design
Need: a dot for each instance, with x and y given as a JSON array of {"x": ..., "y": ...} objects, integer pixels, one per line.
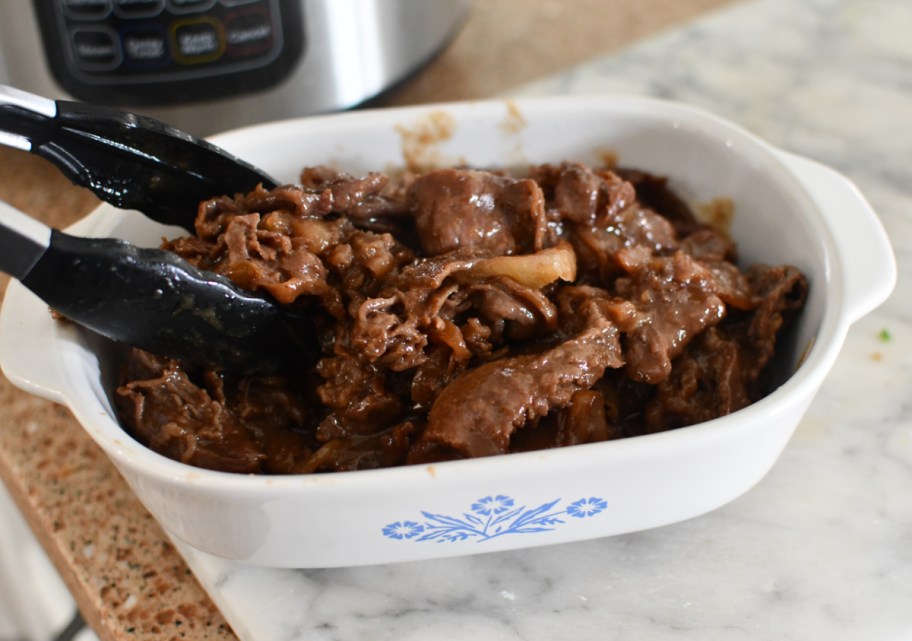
[
  {"x": 492, "y": 505},
  {"x": 492, "y": 517},
  {"x": 403, "y": 530},
  {"x": 586, "y": 507}
]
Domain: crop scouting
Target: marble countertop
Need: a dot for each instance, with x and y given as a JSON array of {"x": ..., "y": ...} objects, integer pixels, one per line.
[{"x": 820, "y": 549}]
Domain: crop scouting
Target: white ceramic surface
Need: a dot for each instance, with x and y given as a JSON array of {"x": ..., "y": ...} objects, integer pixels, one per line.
[{"x": 788, "y": 209}]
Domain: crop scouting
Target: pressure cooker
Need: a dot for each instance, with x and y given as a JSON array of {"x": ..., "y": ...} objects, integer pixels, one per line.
[{"x": 211, "y": 65}]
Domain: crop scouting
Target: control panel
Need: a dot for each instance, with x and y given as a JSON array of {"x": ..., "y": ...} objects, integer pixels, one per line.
[{"x": 148, "y": 52}]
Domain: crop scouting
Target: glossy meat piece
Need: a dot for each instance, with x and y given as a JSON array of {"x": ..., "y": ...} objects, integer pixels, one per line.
[
  {"x": 584, "y": 195},
  {"x": 477, "y": 413},
  {"x": 477, "y": 211},
  {"x": 237, "y": 427},
  {"x": 663, "y": 304},
  {"x": 721, "y": 371}
]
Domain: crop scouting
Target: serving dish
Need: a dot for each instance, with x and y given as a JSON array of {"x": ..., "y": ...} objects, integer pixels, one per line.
[{"x": 788, "y": 209}]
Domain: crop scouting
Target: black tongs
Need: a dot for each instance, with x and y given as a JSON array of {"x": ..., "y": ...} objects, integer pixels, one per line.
[
  {"x": 127, "y": 160},
  {"x": 148, "y": 298}
]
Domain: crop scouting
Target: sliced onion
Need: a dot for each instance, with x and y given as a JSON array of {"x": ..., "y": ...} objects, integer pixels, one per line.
[{"x": 532, "y": 270}]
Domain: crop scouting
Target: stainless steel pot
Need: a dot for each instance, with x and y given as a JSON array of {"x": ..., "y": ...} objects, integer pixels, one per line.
[{"x": 210, "y": 65}]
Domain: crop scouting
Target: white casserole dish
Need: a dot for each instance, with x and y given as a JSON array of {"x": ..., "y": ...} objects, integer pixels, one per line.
[{"x": 787, "y": 210}]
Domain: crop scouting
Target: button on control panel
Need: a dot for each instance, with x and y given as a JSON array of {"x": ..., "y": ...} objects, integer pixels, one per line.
[{"x": 166, "y": 51}]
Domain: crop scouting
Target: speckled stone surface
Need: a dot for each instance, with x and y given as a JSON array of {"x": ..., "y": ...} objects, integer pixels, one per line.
[{"x": 127, "y": 578}]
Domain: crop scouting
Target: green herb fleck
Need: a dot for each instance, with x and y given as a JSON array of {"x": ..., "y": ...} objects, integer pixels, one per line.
[{"x": 885, "y": 336}]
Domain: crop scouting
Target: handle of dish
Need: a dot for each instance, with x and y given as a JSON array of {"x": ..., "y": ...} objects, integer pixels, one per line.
[
  {"x": 862, "y": 246},
  {"x": 24, "y": 355}
]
